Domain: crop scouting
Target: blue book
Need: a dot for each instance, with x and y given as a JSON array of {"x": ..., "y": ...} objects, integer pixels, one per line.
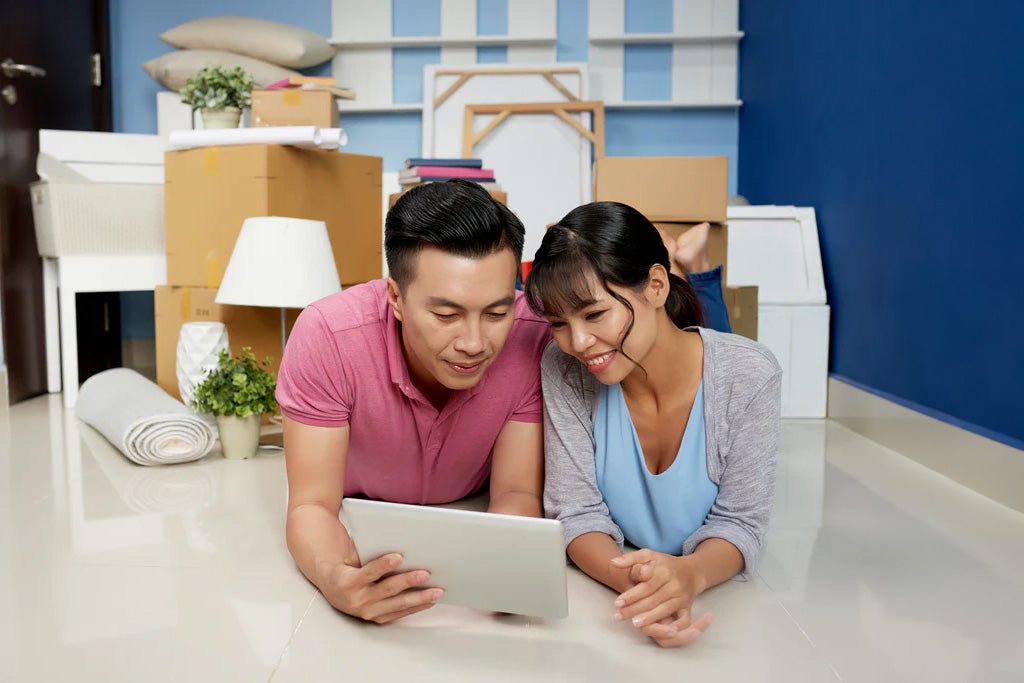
[{"x": 465, "y": 163}]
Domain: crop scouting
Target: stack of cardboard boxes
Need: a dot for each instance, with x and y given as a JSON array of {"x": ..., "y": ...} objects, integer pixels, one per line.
[
  {"x": 209, "y": 192},
  {"x": 675, "y": 193}
]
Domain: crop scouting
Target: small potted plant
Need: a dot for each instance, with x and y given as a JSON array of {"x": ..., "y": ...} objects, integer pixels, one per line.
[
  {"x": 238, "y": 391},
  {"x": 220, "y": 94}
]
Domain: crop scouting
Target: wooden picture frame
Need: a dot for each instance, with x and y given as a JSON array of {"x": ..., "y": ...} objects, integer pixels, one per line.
[
  {"x": 471, "y": 138},
  {"x": 547, "y": 73},
  {"x": 447, "y": 88}
]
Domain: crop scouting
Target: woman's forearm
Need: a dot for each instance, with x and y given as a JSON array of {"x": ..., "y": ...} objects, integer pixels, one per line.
[
  {"x": 713, "y": 562},
  {"x": 592, "y": 553}
]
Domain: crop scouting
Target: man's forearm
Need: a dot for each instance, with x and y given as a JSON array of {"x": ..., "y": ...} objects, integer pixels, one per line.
[
  {"x": 317, "y": 541},
  {"x": 515, "y": 502}
]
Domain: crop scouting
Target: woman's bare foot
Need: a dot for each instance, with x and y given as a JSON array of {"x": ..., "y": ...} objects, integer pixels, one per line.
[
  {"x": 670, "y": 246},
  {"x": 691, "y": 252}
]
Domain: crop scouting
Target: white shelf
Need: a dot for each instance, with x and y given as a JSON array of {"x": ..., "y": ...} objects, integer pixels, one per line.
[
  {"x": 669, "y": 104},
  {"x": 369, "y": 108},
  {"x": 674, "y": 38},
  {"x": 439, "y": 41},
  {"x": 356, "y": 108}
]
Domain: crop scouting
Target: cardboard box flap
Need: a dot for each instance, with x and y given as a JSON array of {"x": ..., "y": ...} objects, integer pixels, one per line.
[{"x": 685, "y": 189}]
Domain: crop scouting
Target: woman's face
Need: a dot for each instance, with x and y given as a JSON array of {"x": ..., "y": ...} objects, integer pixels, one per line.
[{"x": 594, "y": 332}]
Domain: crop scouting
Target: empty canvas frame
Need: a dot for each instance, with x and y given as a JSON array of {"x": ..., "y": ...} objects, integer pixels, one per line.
[{"x": 543, "y": 164}]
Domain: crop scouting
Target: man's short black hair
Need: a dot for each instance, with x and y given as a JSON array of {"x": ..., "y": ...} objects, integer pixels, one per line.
[{"x": 456, "y": 216}]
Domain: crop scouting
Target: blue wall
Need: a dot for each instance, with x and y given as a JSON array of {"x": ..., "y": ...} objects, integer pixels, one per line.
[
  {"x": 135, "y": 28},
  {"x": 901, "y": 123}
]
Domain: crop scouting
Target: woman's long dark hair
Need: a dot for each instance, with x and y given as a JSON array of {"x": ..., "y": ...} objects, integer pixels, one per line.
[{"x": 618, "y": 245}]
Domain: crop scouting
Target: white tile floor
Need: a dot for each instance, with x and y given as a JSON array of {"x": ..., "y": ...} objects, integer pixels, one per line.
[{"x": 875, "y": 569}]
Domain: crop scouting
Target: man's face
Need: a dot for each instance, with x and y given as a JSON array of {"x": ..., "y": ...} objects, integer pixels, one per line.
[{"x": 456, "y": 314}]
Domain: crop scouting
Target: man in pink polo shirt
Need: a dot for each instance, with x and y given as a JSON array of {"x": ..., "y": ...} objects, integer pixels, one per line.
[{"x": 413, "y": 389}]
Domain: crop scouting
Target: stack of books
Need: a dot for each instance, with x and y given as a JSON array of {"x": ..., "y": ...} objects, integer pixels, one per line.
[{"x": 419, "y": 171}]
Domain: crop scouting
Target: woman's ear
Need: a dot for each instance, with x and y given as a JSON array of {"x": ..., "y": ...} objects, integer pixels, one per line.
[
  {"x": 658, "y": 286},
  {"x": 395, "y": 298}
]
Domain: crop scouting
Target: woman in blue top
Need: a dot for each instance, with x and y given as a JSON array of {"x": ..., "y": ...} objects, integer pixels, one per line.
[{"x": 658, "y": 431}]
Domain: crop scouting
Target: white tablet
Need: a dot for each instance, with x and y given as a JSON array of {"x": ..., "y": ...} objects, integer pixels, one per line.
[{"x": 486, "y": 561}]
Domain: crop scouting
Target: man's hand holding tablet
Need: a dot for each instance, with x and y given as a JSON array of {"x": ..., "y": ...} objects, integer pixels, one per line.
[{"x": 373, "y": 593}]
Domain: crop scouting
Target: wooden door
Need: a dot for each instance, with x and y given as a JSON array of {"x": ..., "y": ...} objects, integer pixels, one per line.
[{"x": 68, "y": 40}]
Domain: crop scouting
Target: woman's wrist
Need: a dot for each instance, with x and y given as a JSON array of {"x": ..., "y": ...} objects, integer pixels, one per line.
[{"x": 690, "y": 573}]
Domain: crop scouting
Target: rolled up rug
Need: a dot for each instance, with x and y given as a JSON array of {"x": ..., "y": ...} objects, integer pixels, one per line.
[{"x": 142, "y": 420}]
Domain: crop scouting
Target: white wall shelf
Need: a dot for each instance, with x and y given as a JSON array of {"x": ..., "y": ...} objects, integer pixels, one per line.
[
  {"x": 361, "y": 30},
  {"x": 371, "y": 108},
  {"x": 703, "y": 36},
  {"x": 669, "y": 104},
  {"x": 673, "y": 38},
  {"x": 443, "y": 41},
  {"x": 357, "y": 108}
]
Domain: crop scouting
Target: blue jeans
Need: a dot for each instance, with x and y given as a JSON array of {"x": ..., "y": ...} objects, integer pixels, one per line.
[{"x": 708, "y": 287}]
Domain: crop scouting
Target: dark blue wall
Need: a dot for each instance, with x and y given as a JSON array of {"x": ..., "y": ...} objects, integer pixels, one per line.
[{"x": 901, "y": 123}]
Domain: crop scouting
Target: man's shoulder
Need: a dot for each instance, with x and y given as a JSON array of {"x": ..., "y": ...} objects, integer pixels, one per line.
[
  {"x": 528, "y": 322},
  {"x": 530, "y": 332},
  {"x": 354, "y": 307}
]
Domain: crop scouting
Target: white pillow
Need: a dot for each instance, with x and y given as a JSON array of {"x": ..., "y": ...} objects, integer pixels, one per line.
[
  {"x": 173, "y": 69},
  {"x": 270, "y": 41}
]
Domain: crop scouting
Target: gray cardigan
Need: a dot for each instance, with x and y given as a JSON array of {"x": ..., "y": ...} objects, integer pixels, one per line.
[{"x": 742, "y": 399}]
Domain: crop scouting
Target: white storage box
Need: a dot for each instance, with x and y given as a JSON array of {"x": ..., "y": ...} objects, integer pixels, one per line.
[
  {"x": 91, "y": 219},
  {"x": 777, "y": 249},
  {"x": 101, "y": 194}
]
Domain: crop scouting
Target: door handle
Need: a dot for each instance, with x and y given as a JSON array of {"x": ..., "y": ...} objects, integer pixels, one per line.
[{"x": 11, "y": 69}]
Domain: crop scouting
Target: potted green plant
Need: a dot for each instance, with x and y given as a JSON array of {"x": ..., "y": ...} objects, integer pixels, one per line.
[
  {"x": 238, "y": 391},
  {"x": 220, "y": 94}
]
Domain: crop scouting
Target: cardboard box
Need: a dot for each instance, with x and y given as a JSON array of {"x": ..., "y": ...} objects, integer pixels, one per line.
[
  {"x": 209, "y": 192},
  {"x": 499, "y": 196},
  {"x": 253, "y": 326},
  {"x": 741, "y": 303},
  {"x": 294, "y": 107},
  {"x": 718, "y": 240},
  {"x": 678, "y": 189}
]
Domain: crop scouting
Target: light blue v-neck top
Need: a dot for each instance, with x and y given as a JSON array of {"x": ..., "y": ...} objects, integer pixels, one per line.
[{"x": 656, "y": 511}]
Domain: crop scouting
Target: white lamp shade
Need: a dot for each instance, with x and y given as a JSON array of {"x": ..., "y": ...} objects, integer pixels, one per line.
[{"x": 280, "y": 262}]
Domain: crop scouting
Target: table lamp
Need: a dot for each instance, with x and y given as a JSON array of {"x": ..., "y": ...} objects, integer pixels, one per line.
[{"x": 281, "y": 263}]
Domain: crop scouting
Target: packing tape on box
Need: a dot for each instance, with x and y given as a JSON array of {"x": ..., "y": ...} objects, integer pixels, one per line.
[
  {"x": 186, "y": 304},
  {"x": 213, "y": 272},
  {"x": 292, "y": 97},
  {"x": 210, "y": 161}
]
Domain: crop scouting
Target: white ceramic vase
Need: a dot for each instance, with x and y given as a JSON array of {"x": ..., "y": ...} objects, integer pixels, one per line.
[
  {"x": 239, "y": 436},
  {"x": 228, "y": 117},
  {"x": 198, "y": 346}
]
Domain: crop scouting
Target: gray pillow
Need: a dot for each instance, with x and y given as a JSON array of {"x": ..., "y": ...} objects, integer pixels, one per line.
[
  {"x": 270, "y": 41},
  {"x": 173, "y": 69}
]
